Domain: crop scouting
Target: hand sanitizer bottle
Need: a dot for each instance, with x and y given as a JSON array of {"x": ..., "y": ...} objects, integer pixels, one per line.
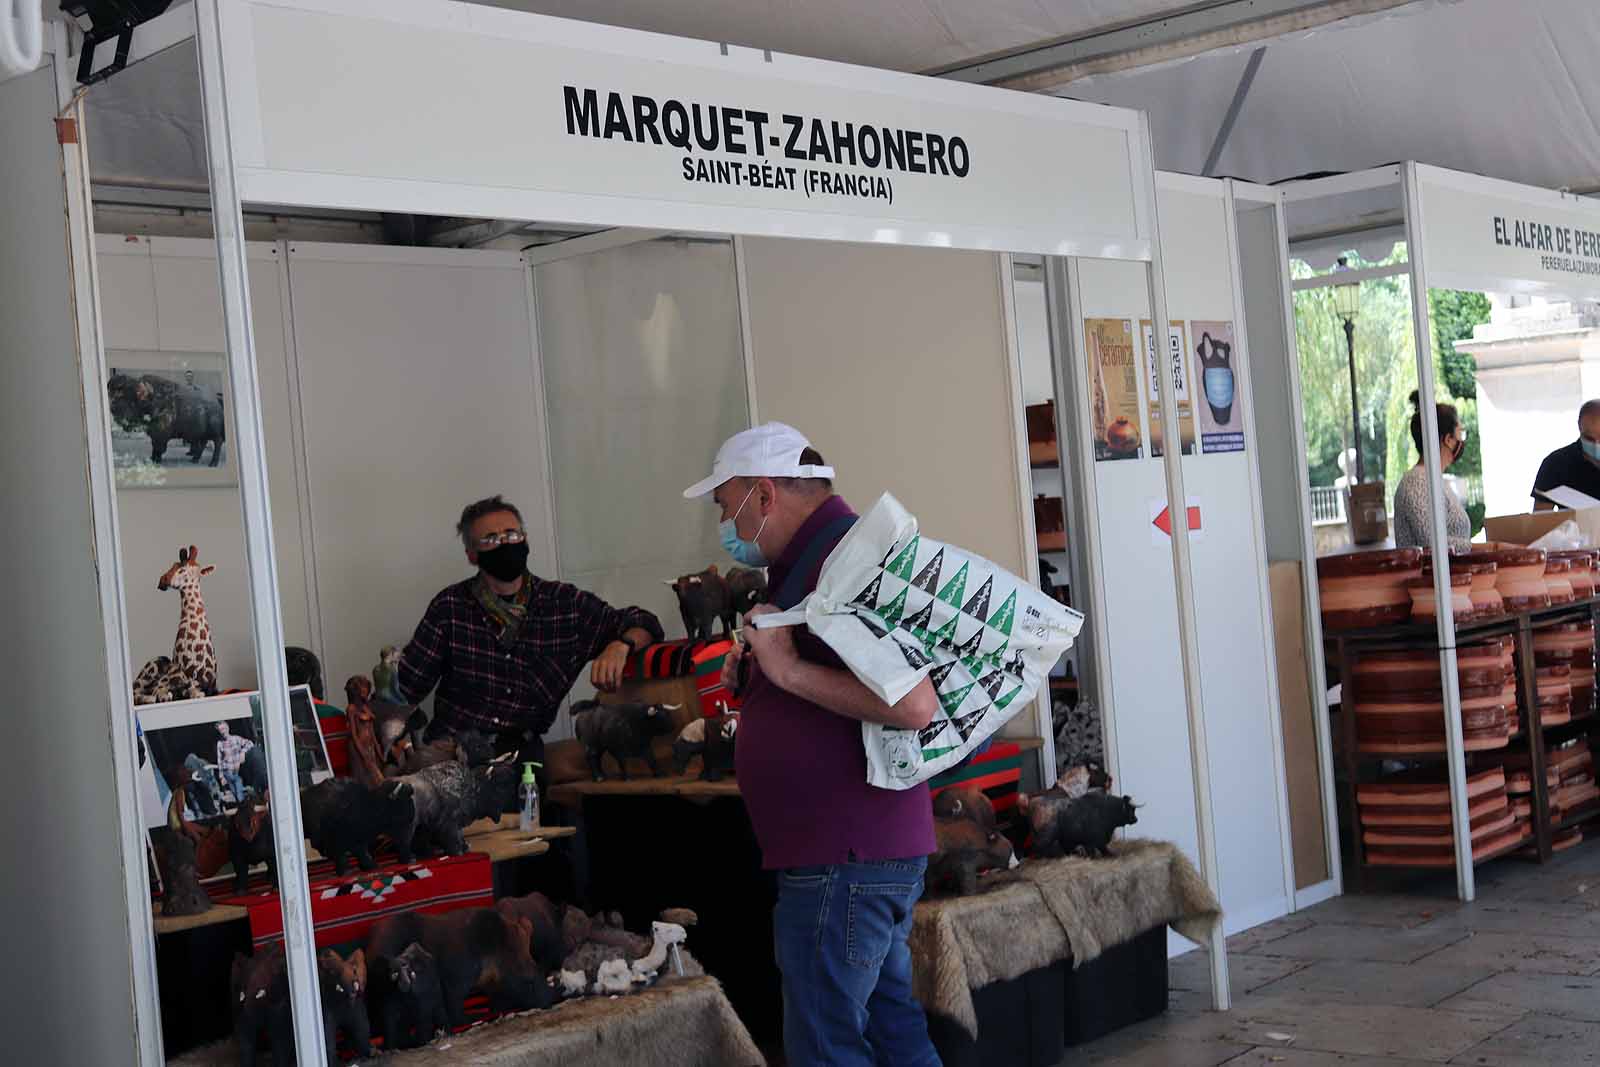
[{"x": 529, "y": 792}]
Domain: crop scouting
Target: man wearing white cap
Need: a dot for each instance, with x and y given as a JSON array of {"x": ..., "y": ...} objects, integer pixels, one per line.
[{"x": 849, "y": 857}]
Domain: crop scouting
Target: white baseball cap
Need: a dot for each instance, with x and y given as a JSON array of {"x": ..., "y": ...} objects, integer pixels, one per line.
[{"x": 771, "y": 450}]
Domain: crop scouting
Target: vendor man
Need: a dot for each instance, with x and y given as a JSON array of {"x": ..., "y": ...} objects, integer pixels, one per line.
[
  {"x": 850, "y": 858},
  {"x": 1576, "y": 466},
  {"x": 505, "y": 647}
]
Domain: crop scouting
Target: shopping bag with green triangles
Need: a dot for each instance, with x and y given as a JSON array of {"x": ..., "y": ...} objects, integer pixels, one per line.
[{"x": 898, "y": 607}]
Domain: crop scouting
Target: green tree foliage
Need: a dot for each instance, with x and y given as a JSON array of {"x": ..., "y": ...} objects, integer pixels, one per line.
[{"x": 1386, "y": 374}]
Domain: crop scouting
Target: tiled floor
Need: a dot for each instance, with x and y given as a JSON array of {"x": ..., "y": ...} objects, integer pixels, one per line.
[{"x": 1398, "y": 980}]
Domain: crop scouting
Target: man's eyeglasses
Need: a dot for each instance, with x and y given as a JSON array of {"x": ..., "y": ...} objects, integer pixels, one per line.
[{"x": 504, "y": 537}]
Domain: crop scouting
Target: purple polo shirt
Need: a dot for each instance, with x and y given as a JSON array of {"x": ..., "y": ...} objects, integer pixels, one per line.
[{"x": 802, "y": 769}]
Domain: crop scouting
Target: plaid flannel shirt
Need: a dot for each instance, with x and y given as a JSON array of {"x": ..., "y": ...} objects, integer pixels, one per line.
[
  {"x": 231, "y": 751},
  {"x": 484, "y": 687}
]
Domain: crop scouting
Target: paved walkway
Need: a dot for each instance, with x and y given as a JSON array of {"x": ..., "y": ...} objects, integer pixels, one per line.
[{"x": 1399, "y": 981}]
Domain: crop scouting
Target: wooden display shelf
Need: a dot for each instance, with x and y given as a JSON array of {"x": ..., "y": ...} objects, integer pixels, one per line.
[
  {"x": 499, "y": 843},
  {"x": 1346, "y": 647}
]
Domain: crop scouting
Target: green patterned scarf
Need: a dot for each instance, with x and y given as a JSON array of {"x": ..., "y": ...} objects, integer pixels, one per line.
[{"x": 508, "y": 615}]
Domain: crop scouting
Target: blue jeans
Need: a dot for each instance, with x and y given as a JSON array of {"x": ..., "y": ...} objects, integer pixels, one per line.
[{"x": 840, "y": 934}]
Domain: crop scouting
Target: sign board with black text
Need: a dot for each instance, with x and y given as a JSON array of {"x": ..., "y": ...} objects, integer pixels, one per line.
[{"x": 465, "y": 110}]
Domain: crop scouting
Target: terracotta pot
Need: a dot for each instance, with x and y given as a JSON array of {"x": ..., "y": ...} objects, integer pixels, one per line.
[
  {"x": 1582, "y": 576},
  {"x": 1519, "y": 575},
  {"x": 1424, "y": 599},
  {"x": 1558, "y": 580},
  {"x": 1361, "y": 589}
]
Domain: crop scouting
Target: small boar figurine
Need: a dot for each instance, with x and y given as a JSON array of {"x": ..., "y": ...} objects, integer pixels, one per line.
[
  {"x": 343, "y": 984},
  {"x": 965, "y": 848},
  {"x": 1062, "y": 825},
  {"x": 623, "y": 730},
  {"x": 965, "y": 802},
  {"x": 475, "y": 948},
  {"x": 407, "y": 999},
  {"x": 702, "y": 599},
  {"x": 261, "y": 1001}
]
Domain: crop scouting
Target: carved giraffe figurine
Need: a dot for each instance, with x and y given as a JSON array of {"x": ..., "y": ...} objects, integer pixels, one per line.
[{"x": 191, "y": 670}]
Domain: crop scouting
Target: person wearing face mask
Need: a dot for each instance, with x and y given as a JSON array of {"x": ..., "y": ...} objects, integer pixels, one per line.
[
  {"x": 1413, "y": 518},
  {"x": 504, "y": 647},
  {"x": 849, "y": 857},
  {"x": 1576, "y": 466}
]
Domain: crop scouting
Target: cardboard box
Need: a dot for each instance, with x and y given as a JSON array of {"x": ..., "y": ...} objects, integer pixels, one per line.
[
  {"x": 1528, "y": 527},
  {"x": 1298, "y": 710}
]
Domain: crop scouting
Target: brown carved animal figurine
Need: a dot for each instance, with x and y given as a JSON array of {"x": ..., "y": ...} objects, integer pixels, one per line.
[
  {"x": 965, "y": 802},
  {"x": 965, "y": 848},
  {"x": 191, "y": 671}
]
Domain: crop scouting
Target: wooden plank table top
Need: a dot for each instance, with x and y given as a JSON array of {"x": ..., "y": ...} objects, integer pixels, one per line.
[{"x": 499, "y": 843}]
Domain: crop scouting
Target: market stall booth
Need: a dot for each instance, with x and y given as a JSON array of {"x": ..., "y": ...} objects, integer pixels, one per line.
[
  {"x": 1463, "y": 730},
  {"x": 368, "y": 389}
]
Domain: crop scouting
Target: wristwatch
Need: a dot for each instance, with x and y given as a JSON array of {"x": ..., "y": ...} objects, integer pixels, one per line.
[{"x": 632, "y": 648}]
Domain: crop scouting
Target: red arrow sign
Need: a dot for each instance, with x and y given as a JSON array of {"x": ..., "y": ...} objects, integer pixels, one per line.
[{"x": 1163, "y": 521}]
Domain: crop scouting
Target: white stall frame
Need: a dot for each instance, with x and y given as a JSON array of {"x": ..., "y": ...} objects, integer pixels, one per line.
[
  {"x": 1475, "y": 247},
  {"x": 1079, "y": 181}
]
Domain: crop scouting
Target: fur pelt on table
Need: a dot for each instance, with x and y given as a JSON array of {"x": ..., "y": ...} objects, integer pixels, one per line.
[
  {"x": 1051, "y": 910},
  {"x": 684, "y": 1022}
]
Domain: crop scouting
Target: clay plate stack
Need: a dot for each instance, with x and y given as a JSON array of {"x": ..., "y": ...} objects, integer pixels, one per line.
[
  {"x": 1558, "y": 580},
  {"x": 1555, "y": 694},
  {"x": 1519, "y": 575},
  {"x": 1425, "y": 601},
  {"x": 1364, "y": 589},
  {"x": 1583, "y": 575},
  {"x": 1572, "y": 646},
  {"x": 1405, "y": 819},
  {"x": 1399, "y": 701}
]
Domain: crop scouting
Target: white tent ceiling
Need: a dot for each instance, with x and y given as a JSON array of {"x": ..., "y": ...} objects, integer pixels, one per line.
[{"x": 1489, "y": 86}]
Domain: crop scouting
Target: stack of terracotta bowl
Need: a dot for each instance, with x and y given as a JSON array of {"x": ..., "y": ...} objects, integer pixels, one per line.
[
  {"x": 1570, "y": 645},
  {"x": 1519, "y": 776},
  {"x": 1399, "y": 699},
  {"x": 1554, "y": 685},
  {"x": 1486, "y": 600},
  {"x": 1405, "y": 819},
  {"x": 1558, "y": 580},
  {"x": 1585, "y": 573},
  {"x": 1425, "y": 600},
  {"x": 1519, "y": 574},
  {"x": 1362, "y": 589}
]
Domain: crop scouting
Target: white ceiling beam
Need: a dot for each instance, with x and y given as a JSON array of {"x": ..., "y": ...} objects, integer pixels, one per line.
[{"x": 1202, "y": 28}]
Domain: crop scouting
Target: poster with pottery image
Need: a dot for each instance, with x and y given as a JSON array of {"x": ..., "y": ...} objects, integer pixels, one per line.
[
  {"x": 169, "y": 425},
  {"x": 1113, "y": 388},
  {"x": 1176, "y": 353},
  {"x": 1221, "y": 420}
]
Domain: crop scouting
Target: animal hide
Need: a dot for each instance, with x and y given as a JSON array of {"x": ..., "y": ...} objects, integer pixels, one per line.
[
  {"x": 965, "y": 943},
  {"x": 686, "y": 1023}
]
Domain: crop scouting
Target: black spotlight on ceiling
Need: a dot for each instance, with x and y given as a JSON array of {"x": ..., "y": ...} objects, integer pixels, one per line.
[{"x": 108, "y": 20}]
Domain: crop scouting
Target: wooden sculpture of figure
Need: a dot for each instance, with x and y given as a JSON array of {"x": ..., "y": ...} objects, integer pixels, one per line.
[
  {"x": 191, "y": 671},
  {"x": 366, "y": 753}
]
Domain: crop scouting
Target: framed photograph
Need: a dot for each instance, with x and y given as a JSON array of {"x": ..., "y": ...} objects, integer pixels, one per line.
[
  {"x": 210, "y": 743},
  {"x": 169, "y": 421},
  {"x": 206, "y": 743}
]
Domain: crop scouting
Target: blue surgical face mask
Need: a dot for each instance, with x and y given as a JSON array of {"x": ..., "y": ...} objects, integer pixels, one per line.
[
  {"x": 746, "y": 552},
  {"x": 1590, "y": 448}
]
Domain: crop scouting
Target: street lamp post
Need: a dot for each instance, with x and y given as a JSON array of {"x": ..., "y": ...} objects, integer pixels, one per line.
[{"x": 1347, "y": 304}]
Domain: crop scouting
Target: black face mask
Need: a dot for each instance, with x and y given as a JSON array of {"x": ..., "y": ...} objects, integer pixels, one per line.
[{"x": 505, "y": 563}]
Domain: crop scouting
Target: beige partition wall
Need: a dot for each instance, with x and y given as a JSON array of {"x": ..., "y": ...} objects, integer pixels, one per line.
[{"x": 894, "y": 361}]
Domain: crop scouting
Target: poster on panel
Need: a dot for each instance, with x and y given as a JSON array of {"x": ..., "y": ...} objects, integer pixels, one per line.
[
  {"x": 1176, "y": 348},
  {"x": 1221, "y": 420},
  {"x": 1114, "y": 379}
]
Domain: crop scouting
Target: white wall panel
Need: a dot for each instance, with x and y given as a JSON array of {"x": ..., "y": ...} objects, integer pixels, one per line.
[
  {"x": 419, "y": 396},
  {"x": 160, "y": 295},
  {"x": 1142, "y": 639}
]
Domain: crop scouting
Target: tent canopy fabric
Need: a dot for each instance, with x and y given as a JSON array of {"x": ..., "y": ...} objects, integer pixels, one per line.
[{"x": 1502, "y": 89}]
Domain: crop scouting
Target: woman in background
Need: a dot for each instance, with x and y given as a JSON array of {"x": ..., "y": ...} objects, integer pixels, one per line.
[{"x": 1412, "y": 518}]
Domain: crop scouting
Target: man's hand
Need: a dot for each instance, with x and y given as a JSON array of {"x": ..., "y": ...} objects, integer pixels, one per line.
[
  {"x": 773, "y": 649},
  {"x": 606, "y": 674},
  {"x": 730, "y": 666}
]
